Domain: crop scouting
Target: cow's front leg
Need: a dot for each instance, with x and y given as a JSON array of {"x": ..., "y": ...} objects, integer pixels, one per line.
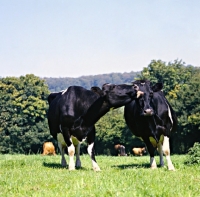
[
  {"x": 151, "y": 150},
  {"x": 90, "y": 149},
  {"x": 166, "y": 151},
  {"x": 160, "y": 151},
  {"x": 77, "y": 150}
]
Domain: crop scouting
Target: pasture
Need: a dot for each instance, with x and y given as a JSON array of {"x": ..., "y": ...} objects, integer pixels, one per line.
[{"x": 37, "y": 175}]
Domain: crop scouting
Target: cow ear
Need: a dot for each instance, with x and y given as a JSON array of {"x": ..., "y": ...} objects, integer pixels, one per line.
[
  {"x": 97, "y": 90},
  {"x": 157, "y": 87}
]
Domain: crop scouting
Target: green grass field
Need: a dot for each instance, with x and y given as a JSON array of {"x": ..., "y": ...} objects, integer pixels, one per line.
[{"x": 36, "y": 175}]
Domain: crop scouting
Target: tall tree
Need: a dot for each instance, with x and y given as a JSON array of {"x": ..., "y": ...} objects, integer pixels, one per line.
[{"x": 23, "y": 125}]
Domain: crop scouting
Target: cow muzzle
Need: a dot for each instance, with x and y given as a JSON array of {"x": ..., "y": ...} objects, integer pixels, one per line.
[{"x": 148, "y": 112}]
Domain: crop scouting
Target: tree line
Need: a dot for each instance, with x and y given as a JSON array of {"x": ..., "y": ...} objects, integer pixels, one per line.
[
  {"x": 23, "y": 108},
  {"x": 58, "y": 84}
]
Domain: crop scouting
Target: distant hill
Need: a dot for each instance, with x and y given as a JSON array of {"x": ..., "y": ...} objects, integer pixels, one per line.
[{"x": 58, "y": 84}]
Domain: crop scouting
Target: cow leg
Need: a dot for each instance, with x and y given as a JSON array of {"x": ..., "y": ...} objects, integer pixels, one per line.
[
  {"x": 77, "y": 151},
  {"x": 160, "y": 151},
  {"x": 71, "y": 151},
  {"x": 166, "y": 151},
  {"x": 151, "y": 151},
  {"x": 62, "y": 145},
  {"x": 71, "y": 148},
  {"x": 90, "y": 149},
  {"x": 62, "y": 152}
]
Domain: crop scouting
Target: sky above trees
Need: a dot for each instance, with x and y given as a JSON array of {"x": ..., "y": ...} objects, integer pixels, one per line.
[{"x": 73, "y": 38}]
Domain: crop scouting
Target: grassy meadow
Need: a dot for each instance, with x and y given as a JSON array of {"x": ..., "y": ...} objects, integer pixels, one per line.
[{"x": 37, "y": 175}]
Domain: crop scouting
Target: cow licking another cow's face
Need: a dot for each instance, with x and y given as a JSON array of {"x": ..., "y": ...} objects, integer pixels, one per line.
[
  {"x": 74, "y": 112},
  {"x": 117, "y": 94}
]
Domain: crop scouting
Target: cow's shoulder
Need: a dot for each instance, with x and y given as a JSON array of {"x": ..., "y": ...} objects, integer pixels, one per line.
[{"x": 52, "y": 96}]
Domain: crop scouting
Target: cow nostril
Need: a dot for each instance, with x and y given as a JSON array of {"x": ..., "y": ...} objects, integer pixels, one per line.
[{"x": 148, "y": 112}]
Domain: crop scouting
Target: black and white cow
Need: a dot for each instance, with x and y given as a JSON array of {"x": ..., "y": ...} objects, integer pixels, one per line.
[
  {"x": 152, "y": 118},
  {"x": 73, "y": 113}
]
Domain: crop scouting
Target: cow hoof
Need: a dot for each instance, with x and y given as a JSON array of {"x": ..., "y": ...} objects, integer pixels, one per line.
[
  {"x": 78, "y": 164},
  {"x": 96, "y": 169},
  {"x": 71, "y": 168},
  {"x": 64, "y": 163},
  {"x": 153, "y": 167},
  {"x": 171, "y": 168}
]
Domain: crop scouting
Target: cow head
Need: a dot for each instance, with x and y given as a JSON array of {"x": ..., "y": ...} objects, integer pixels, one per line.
[
  {"x": 145, "y": 100},
  {"x": 119, "y": 95},
  {"x": 144, "y": 150}
]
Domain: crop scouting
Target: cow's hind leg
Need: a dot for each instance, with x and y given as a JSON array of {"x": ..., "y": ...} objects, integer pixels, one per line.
[
  {"x": 71, "y": 148},
  {"x": 77, "y": 151},
  {"x": 62, "y": 145},
  {"x": 71, "y": 151},
  {"x": 166, "y": 151},
  {"x": 90, "y": 149},
  {"x": 160, "y": 151}
]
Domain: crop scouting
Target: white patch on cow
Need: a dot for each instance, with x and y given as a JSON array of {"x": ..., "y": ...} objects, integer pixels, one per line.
[
  {"x": 166, "y": 151},
  {"x": 94, "y": 164},
  {"x": 63, "y": 91},
  {"x": 89, "y": 149},
  {"x": 71, "y": 151},
  {"x": 77, "y": 150},
  {"x": 153, "y": 163},
  {"x": 169, "y": 113}
]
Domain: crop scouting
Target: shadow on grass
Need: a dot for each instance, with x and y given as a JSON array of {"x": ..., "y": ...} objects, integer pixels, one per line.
[
  {"x": 125, "y": 166},
  {"x": 58, "y": 166}
]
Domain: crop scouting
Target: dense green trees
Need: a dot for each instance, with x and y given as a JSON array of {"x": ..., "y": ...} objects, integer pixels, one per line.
[
  {"x": 23, "y": 108},
  {"x": 111, "y": 129},
  {"x": 23, "y": 124}
]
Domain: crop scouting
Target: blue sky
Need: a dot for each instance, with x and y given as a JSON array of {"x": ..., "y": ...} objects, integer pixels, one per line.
[{"x": 71, "y": 38}]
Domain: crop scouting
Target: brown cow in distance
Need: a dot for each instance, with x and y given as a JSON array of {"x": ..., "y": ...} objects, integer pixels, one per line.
[
  {"x": 120, "y": 150},
  {"x": 139, "y": 151},
  {"x": 48, "y": 149}
]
